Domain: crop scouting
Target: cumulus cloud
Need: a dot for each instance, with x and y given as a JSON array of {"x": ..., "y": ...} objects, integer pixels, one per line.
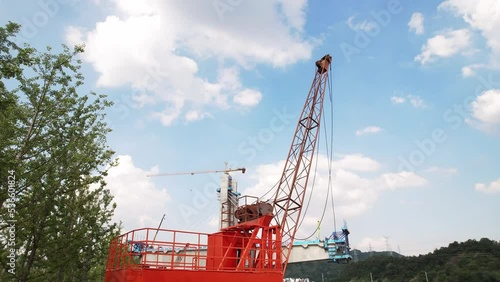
[
  {"x": 485, "y": 110},
  {"x": 416, "y": 23},
  {"x": 368, "y": 130},
  {"x": 417, "y": 101},
  {"x": 444, "y": 45},
  {"x": 467, "y": 71},
  {"x": 493, "y": 187},
  {"x": 355, "y": 162},
  {"x": 470, "y": 70},
  {"x": 359, "y": 193},
  {"x": 397, "y": 100},
  {"x": 441, "y": 170},
  {"x": 481, "y": 15},
  {"x": 414, "y": 100},
  {"x": 294, "y": 11},
  {"x": 362, "y": 25},
  {"x": 137, "y": 197},
  {"x": 247, "y": 97},
  {"x": 196, "y": 115},
  {"x": 401, "y": 179},
  {"x": 158, "y": 48}
]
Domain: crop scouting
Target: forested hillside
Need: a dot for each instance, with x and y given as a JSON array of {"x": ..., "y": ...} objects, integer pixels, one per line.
[{"x": 467, "y": 261}]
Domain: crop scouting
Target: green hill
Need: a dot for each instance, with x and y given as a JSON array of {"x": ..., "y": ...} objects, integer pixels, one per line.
[{"x": 468, "y": 261}]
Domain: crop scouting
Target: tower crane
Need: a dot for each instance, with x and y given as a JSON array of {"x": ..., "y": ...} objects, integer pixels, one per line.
[
  {"x": 228, "y": 192},
  {"x": 257, "y": 246},
  {"x": 226, "y": 171}
]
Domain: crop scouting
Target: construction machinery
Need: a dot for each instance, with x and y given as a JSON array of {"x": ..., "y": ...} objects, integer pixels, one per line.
[
  {"x": 334, "y": 248},
  {"x": 254, "y": 248},
  {"x": 228, "y": 192},
  {"x": 338, "y": 246}
]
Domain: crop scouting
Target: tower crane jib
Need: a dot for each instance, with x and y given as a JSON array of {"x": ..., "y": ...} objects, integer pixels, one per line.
[{"x": 228, "y": 193}]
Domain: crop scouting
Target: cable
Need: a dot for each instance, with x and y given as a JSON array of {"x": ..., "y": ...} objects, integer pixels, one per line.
[
  {"x": 329, "y": 154},
  {"x": 272, "y": 188},
  {"x": 311, "y": 193}
]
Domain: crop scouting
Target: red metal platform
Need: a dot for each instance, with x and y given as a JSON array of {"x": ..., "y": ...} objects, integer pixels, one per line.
[{"x": 250, "y": 251}]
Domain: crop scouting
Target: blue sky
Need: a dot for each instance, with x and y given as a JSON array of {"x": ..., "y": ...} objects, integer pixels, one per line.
[{"x": 415, "y": 84}]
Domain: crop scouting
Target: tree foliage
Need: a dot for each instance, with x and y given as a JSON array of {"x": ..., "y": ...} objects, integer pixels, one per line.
[{"x": 53, "y": 143}]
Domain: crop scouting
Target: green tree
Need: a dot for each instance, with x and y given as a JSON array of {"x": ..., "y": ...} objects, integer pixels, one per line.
[{"x": 53, "y": 141}]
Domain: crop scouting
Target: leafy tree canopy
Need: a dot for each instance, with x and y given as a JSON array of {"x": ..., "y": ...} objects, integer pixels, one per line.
[{"x": 54, "y": 206}]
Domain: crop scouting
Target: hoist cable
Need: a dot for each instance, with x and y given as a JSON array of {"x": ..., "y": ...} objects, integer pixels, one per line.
[
  {"x": 329, "y": 154},
  {"x": 272, "y": 188},
  {"x": 310, "y": 194},
  {"x": 330, "y": 182}
]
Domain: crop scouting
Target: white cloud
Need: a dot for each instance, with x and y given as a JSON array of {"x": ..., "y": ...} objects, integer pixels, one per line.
[
  {"x": 444, "y": 45},
  {"x": 482, "y": 15},
  {"x": 359, "y": 193},
  {"x": 416, "y": 23},
  {"x": 355, "y": 162},
  {"x": 74, "y": 35},
  {"x": 415, "y": 101},
  {"x": 138, "y": 199},
  {"x": 368, "y": 130},
  {"x": 171, "y": 111},
  {"x": 493, "y": 187},
  {"x": 363, "y": 25},
  {"x": 400, "y": 180},
  {"x": 441, "y": 170},
  {"x": 467, "y": 71},
  {"x": 158, "y": 48},
  {"x": 295, "y": 12},
  {"x": 397, "y": 100},
  {"x": 196, "y": 115},
  {"x": 248, "y": 97},
  {"x": 486, "y": 110}
]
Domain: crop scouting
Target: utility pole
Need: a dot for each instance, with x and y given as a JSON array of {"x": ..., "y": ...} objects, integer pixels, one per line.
[
  {"x": 387, "y": 245},
  {"x": 371, "y": 277},
  {"x": 426, "y": 278}
]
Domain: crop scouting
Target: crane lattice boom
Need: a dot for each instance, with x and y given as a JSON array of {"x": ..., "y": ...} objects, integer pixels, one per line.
[{"x": 292, "y": 185}]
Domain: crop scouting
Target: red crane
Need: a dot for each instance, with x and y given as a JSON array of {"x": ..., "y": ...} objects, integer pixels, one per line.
[
  {"x": 287, "y": 205},
  {"x": 250, "y": 250}
]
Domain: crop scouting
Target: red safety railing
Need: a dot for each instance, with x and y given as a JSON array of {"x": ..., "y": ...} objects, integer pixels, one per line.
[{"x": 253, "y": 248}]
